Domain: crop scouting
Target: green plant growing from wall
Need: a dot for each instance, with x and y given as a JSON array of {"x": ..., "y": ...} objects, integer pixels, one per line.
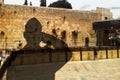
[
  {"x": 63, "y": 35},
  {"x": 75, "y": 36},
  {"x": 86, "y": 41},
  {"x": 54, "y": 32},
  {"x": 2, "y": 34}
]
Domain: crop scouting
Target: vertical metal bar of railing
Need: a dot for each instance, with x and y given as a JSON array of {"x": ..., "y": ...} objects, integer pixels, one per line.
[
  {"x": 118, "y": 52},
  {"x": 106, "y": 53},
  {"x": 95, "y": 53},
  {"x": 80, "y": 53}
]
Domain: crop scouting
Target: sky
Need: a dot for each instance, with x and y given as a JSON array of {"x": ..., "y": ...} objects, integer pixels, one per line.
[{"x": 113, "y": 5}]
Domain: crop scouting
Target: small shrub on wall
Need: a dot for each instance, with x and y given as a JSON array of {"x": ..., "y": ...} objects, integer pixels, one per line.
[
  {"x": 54, "y": 32},
  {"x": 63, "y": 34},
  {"x": 75, "y": 36}
]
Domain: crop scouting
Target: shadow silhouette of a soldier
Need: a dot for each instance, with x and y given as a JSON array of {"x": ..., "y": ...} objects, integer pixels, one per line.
[{"x": 34, "y": 35}]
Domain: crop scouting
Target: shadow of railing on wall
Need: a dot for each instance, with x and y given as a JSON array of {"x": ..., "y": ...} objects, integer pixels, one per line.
[
  {"x": 77, "y": 54},
  {"x": 98, "y": 53}
]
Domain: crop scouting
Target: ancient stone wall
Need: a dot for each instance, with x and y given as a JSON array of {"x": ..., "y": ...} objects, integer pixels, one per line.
[{"x": 14, "y": 17}]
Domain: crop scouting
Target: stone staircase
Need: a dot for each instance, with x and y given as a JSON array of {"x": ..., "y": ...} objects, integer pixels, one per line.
[{"x": 76, "y": 70}]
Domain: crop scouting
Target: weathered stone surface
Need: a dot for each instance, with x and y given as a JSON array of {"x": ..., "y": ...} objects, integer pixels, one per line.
[{"x": 13, "y": 19}]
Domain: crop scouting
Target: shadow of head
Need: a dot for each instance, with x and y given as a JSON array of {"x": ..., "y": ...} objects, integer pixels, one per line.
[
  {"x": 32, "y": 34},
  {"x": 55, "y": 57}
]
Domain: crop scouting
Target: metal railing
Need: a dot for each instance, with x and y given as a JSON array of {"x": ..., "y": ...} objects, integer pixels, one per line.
[{"x": 95, "y": 51}]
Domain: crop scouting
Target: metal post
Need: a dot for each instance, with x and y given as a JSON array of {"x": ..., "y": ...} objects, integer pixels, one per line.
[
  {"x": 6, "y": 43},
  {"x": 81, "y": 54},
  {"x": 106, "y": 53},
  {"x": 117, "y": 52}
]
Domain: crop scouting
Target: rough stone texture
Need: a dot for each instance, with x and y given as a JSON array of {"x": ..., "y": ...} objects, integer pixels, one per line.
[
  {"x": 13, "y": 19},
  {"x": 85, "y": 70}
]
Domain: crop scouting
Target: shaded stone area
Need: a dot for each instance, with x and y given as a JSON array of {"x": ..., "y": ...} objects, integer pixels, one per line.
[
  {"x": 85, "y": 70},
  {"x": 34, "y": 36},
  {"x": 33, "y": 53}
]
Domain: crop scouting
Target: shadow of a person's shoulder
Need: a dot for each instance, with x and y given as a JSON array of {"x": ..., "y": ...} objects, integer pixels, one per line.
[{"x": 34, "y": 36}]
